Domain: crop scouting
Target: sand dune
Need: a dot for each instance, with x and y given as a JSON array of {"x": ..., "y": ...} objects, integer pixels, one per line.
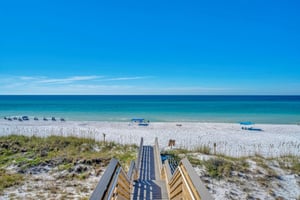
[{"x": 230, "y": 139}]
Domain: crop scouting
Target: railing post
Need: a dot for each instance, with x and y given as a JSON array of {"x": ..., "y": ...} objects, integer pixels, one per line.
[
  {"x": 157, "y": 156},
  {"x": 194, "y": 187},
  {"x": 102, "y": 188},
  {"x": 114, "y": 182},
  {"x": 139, "y": 157}
]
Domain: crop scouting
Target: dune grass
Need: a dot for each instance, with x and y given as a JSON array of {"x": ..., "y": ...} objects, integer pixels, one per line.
[
  {"x": 204, "y": 149},
  {"x": 290, "y": 162},
  {"x": 32, "y": 151},
  {"x": 220, "y": 166},
  {"x": 9, "y": 179},
  {"x": 64, "y": 153}
]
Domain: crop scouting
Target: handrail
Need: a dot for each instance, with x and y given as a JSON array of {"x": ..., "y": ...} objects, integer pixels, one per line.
[
  {"x": 104, "y": 183},
  {"x": 168, "y": 171},
  {"x": 157, "y": 155},
  {"x": 184, "y": 183},
  {"x": 186, "y": 175},
  {"x": 131, "y": 171},
  {"x": 197, "y": 183},
  {"x": 139, "y": 157},
  {"x": 114, "y": 182}
]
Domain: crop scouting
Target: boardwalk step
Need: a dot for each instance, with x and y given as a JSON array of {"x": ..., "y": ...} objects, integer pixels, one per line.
[{"x": 147, "y": 187}]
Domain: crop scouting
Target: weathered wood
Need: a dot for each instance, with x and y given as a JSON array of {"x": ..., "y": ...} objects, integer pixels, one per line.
[
  {"x": 149, "y": 186},
  {"x": 148, "y": 179},
  {"x": 103, "y": 186},
  {"x": 186, "y": 184}
]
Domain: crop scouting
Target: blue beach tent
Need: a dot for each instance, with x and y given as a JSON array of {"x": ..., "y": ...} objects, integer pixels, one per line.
[
  {"x": 248, "y": 126},
  {"x": 246, "y": 123},
  {"x": 139, "y": 120}
]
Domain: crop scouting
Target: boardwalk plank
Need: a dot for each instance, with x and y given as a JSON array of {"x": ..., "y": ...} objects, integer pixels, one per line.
[{"x": 149, "y": 186}]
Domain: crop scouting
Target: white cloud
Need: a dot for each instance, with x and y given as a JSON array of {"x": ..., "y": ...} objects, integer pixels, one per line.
[
  {"x": 30, "y": 78},
  {"x": 27, "y": 78},
  {"x": 69, "y": 79},
  {"x": 67, "y": 85},
  {"x": 127, "y": 78}
]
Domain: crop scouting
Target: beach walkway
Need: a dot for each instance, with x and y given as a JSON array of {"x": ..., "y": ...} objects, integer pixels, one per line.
[
  {"x": 150, "y": 179},
  {"x": 149, "y": 185}
]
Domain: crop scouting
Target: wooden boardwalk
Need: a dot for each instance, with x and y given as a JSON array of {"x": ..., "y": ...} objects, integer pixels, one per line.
[
  {"x": 150, "y": 179},
  {"x": 149, "y": 186}
]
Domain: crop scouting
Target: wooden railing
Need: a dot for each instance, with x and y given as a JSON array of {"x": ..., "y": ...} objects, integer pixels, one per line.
[
  {"x": 185, "y": 183},
  {"x": 132, "y": 172},
  {"x": 114, "y": 184},
  {"x": 157, "y": 156},
  {"x": 139, "y": 158}
]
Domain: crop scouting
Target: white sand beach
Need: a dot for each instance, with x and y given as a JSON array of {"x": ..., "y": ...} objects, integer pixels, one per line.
[
  {"x": 230, "y": 139},
  {"x": 272, "y": 141}
]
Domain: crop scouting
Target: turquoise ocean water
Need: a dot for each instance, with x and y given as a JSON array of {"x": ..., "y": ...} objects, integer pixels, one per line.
[{"x": 259, "y": 109}]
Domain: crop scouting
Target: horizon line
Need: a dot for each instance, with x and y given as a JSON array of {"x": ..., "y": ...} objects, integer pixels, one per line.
[{"x": 149, "y": 94}]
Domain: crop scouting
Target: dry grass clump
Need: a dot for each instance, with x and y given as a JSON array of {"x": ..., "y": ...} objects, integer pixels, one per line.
[
  {"x": 204, "y": 149},
  {"x": 290, "y": 162},
  {"x": 269, "y": 172},
  {"x": 221, "y": 167},
  {"x": 218, "y": 166},
  {"x": 75, "y": 157},
  {"x": 9, "y": 179}
]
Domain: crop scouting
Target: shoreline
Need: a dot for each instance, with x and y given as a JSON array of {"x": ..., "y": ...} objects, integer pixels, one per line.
[
  {"x": 40, "y": 120},
  {"x": 253, "y": 176},
  {"x": 89, "y": 117},
  {"x": 158, "y": 108},
  {"x": 273, "y": 140}
]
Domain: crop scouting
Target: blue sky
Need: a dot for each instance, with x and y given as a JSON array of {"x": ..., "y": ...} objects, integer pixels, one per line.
[{"x": 150, "y": 47}]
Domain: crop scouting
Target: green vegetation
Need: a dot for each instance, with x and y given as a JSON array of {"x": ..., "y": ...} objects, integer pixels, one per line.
[
  {"x": 261, "y": 162},
  {"x": 8, "y": 179},
  {"x": 195, "y": 161},
  {"x": 218, "y": 166},
  {"x": 290, "y": 162},
  {"x": 177, "y": 154},
  {"x": 222, "y": 167},
  {"x": 64, "y": 153},
  {"x": 202, "y": 149},
  {"x": 32, "y": 151},
  {"x": 178, "y": 151}
]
